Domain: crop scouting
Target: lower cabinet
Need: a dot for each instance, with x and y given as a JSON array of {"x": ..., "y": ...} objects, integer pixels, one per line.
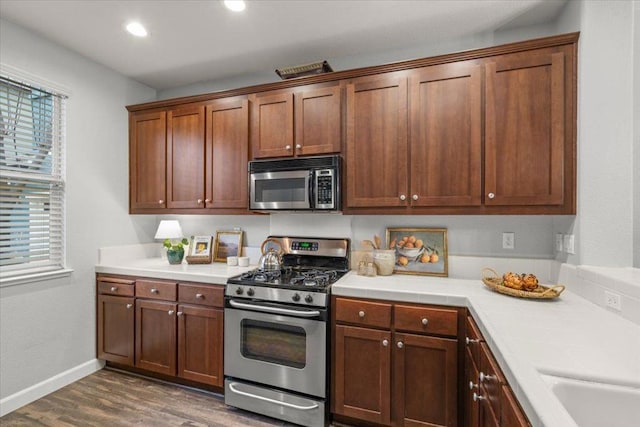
[
  {"x": 394, "y": 372},
  {"x": 176, "y": 329}
]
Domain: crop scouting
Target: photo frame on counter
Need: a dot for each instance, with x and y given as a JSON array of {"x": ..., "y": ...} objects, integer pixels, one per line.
[
  {"x": 420, "y": 251},
  {"x": 228, "y": 243},
  {"x": 200, "y": 251}
]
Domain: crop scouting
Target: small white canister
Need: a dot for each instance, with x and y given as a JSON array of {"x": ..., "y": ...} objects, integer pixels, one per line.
[{"x": 385, "y": 260}]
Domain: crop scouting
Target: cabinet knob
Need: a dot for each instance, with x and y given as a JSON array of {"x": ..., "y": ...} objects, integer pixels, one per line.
[
  {"x": 199, "y": 296},
  {"x": 154, "y": 291},
  {"x": 403, "y": 197},
  {"x": 287, "y": 147},
  {"x": 477, "y": 397},
  {"x": 114, "y": 288},
  {"x": 491, "y": 195},
  {"x": 385, "y": 343},
  {"x": 425, "y": 321},
  {"x": 199, "y": 201},
  {"x": 179, "y": 313},
  {"x": 298, "y": 146},
  {"x": 400, "y": 344},
  {"x": 160, "y": 201},
  {"x": 207, "y": 200},
  {"x": 129, "y": 305},
  {"x": 485, "y": 377},
  {"x": 170, "y": 312},
  {"x": 472, "y": 385},
  {"x": 414, "y": 197},
  {"x": 361, "y": 313},
  {"x": 468, "y": 341}
]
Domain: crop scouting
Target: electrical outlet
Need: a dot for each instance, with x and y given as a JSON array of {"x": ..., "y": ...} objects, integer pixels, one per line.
[
  {"x": 611, "y": 299},
  {"x": 559, "y": 242},
  {"x": 569, "y": 244},
  {"x": 508, "y": 240}
]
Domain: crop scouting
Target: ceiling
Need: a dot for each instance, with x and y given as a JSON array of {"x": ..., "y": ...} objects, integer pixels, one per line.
[{"x": 200, "y": 40}]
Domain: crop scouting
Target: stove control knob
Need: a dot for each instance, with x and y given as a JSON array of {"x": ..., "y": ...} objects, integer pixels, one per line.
[
  {"x": 308, "y": 299},
  {"x": 251, "y": 292},
  {"x": 239, "y": 290},
  {"x": 296, "y": 297}
]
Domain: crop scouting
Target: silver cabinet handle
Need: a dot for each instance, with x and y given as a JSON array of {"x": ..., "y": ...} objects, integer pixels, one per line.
[
  {"x": 170, "y": 312},
  {"x": 400, "y": 344},
  {"x": 385, "y": 342},
  {"x": 287, "y": 147},
  {"x": 477, "y": 397},
  {"x": 266, "y": 399},
  {"x": 160, "y": 201},
  {"x": 113, "y": 289},
  {"x": 298, "y": 146},
  {"x": 199, "y": 296},
  {"x": 425, "y": 321},
  {"x": 361, "y": 314},
  {"x": 129, "y": 305},
  {"x": 154, "y": 291},
  {"x": 179, "y": 313},
  {"x": 207, "y": 200},
  {"x": 403, "y": 197},
  {"x": 484, "y": 377},
  {"x": 199, "y": 201},
  {"x": 491, "y": 195},
  {"x": 472, "y": 385},
  {"x": 470, "y": 341},
  {"x": 414, "y": 197}
]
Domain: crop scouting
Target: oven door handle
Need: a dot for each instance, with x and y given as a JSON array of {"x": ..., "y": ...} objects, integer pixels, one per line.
[
  {"x": 274, "y": 310},
  {"x": 266, "y": 399}
]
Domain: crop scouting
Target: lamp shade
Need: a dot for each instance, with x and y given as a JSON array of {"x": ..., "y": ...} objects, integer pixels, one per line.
[{"x": 169, "y": 229}]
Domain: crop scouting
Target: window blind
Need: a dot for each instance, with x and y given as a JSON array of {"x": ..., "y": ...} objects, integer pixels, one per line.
[{"x": 32, "y": 190}]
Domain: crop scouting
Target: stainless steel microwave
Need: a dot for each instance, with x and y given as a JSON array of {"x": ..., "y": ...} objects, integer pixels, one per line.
[{"x": 297, "y": 184}]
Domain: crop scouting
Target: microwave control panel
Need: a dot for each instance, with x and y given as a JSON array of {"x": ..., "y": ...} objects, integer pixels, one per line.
[{"x": 325, "y": 189}]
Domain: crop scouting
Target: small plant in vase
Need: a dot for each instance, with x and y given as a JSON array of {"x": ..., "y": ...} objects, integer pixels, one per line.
[{"x": 175, "y": 252}]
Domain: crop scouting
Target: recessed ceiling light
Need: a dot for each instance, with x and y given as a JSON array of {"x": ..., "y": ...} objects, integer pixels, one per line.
[
  {"x": 235, "y": 5},
  {"x": 136, "y": 29}
]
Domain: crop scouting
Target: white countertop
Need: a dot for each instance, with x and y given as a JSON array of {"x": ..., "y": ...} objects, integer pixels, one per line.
[{"x": 567, "y": 336}]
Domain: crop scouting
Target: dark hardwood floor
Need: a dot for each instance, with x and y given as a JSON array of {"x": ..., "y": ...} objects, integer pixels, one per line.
[{"x": 112, "y": 398}]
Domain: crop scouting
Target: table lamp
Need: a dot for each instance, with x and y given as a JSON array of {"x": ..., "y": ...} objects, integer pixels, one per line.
[{"x": 170, "y": 232}]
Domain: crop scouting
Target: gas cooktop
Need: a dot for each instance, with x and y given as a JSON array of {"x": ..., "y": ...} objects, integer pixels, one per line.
[{"x": 298, "y": 278}]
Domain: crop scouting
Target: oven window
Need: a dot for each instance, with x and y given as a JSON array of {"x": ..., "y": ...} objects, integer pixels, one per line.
[
  {"x": 280, "y": 190},
  {"x": 275, "y": 343}
]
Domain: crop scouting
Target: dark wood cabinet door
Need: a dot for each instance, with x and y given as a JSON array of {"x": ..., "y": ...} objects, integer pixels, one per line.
[
  {"x": 156, "y": 336},
  {"x": 426, "y": 380},
  {"x": 362, "y": 375},
  {"x": 185, "y": 157},
  {"x": 147, "y": 160},
  {"x": 227, "y": 153},
  {"x": 445, "y": 104},
  {"x": 525, "y": 129},
  {"x": 318, "y": 121},
  {"x": 376, "y": 142},
  {"x": 200, "y": 344},
  {"x": 116, "y": 329},
  {"x": 511, "y": 415},
  {"x": 470, "y": 385},
  {"x": 272, "y": 125}
]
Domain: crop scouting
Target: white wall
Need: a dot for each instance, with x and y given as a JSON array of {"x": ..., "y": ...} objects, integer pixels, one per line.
[
  {"x": 636, "y": 134},
  {"x": 48, "y": 327}
]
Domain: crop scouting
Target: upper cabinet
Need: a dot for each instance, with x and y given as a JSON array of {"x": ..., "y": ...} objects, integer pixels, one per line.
[
  {"x": 485, "y": 131},
  {"x": 299, "y": 122}
]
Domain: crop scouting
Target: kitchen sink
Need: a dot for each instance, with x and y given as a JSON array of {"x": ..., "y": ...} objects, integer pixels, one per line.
[{"x": 595, "y": 403}]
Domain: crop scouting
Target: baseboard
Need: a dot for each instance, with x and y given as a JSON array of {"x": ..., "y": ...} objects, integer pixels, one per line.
[{"x": 36, "y": 391}]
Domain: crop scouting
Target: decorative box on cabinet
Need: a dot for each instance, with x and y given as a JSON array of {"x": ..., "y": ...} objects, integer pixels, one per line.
[{"x": 399, "y": 372}]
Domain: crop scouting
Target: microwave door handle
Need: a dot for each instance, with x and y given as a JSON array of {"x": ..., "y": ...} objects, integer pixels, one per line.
[{"x": 312, "y": 187}]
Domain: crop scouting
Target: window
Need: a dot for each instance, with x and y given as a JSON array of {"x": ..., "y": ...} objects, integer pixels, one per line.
[{"x": 32, "y": 123}]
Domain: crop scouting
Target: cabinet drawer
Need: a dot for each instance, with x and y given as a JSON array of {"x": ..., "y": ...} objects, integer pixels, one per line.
[
  {"x": 491, "y": 379},
  {"x": 166, "y": 291},
  {"x": 113, "y": 286},
  {"x": 473, "y": 338},
  {"x": 212, "y": 296},
  {"x": 426, "y": 320},
  {"x": 363, "y": 313}
]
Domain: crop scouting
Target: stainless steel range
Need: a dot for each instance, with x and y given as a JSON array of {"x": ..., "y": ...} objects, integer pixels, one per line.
[{"x": 276, "y": 332}]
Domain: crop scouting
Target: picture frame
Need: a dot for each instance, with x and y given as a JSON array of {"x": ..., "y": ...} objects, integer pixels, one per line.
[
  {"x": 427, "y": 255},
  {"x": 200, "y": 251},
  {"x": 228, "y": 243}
]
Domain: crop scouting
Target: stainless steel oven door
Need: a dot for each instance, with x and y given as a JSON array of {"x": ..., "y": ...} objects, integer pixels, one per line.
[
  {"x": 286, "y": 190},
  {"x": 276, "y": 349}
]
